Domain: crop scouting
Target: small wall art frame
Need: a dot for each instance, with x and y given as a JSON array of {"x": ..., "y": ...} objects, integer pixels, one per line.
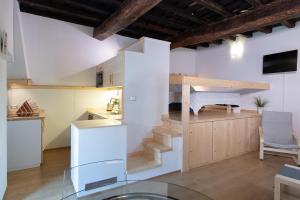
[{"x": 3, "y": 44}]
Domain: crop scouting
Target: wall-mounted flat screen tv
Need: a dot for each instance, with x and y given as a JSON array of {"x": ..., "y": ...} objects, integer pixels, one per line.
[{"x": 280, "y": 62}]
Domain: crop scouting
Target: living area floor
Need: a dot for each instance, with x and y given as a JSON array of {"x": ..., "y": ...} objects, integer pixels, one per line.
[{"x": 241, "y": 178}]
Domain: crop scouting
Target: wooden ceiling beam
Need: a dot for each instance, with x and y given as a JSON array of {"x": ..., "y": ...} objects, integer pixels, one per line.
[
  {"x": 182, "y": 13},
  {"x": 257, "y": 3},
  {"x": 46, "y": 7},
  {"x": 218, "y": 42},
  {"x": 254, "y": 3},
  {"x": 289, "y": 23},
  {"x": 85, "y": 6},
  {"x": 155, "y": 27},
  {"x": 205, "y": 45},
  {"x": 266, "y": 30},
  {"x": 215, "y": 7},
  {"x": 231, "y": 37},
  {"x": 262, "y": 16},
  {"x": 164, "y": 20},
  {"x": 129, "y": 12}
]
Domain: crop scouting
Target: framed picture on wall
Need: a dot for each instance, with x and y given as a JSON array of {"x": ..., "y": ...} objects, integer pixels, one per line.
[{"x": 3, "y": 43}]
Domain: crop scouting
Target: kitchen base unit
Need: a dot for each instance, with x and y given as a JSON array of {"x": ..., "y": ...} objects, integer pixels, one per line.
[
  {"x": 98, "y": 155},
  {"x": 24, "y": 143}
]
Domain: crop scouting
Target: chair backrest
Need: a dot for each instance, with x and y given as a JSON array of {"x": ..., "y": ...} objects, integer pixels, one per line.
[{"x": 278, "y": 127}]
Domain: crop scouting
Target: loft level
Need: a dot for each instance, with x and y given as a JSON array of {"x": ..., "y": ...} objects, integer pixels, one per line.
[{"x": 217, "y": 85}]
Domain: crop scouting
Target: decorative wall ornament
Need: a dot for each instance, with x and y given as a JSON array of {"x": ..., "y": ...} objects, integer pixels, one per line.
[
  {"x": 4, "y": 53},
  {"x": 3, "y": 44}
]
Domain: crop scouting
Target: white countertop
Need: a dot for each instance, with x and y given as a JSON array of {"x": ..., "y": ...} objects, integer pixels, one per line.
[
  {"x": 99, "y": 123},
  {"x": 103, "y": 113}
]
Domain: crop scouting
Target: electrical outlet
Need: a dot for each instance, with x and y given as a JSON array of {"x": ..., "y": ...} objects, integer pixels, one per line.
[{"x": 132, "y": 98}]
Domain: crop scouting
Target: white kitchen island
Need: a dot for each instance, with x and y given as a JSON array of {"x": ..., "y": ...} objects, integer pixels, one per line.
[{"x": 92, "y": 142}]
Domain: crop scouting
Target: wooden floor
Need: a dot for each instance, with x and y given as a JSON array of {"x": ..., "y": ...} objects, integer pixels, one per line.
[
  {"x": 42, "y": 183},
  {"x": 241, "y": 178}
]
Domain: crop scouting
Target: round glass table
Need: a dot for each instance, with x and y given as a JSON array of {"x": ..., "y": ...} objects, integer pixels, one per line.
[
  {"x": 140, "y": 190},
  {"x": 108, "y": 180}
]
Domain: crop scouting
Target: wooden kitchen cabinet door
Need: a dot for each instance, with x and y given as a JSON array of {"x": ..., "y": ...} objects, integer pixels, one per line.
[
  {"x": 241, "y": 139},
  {"x": 222, "y": 139},
  {"x": 253, "y": 125},
  {"x": 200, "y": 144}
]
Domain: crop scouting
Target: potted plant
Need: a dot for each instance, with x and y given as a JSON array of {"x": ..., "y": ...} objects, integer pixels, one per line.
[{"x": 260, "y": 104}]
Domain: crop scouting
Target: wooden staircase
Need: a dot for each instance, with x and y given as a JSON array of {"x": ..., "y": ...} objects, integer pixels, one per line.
[{"x": 153, "y": 148}]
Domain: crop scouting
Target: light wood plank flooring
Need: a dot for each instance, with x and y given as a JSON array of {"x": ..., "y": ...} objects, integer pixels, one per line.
[
  {"x": 241, "y": 178},
  {"x": 41, "y": 183}
]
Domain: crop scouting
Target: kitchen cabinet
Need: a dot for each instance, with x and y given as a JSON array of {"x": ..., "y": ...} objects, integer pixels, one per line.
[
  {"x": 24, "y": 144},
  {"x": 217, "y": 140},
  {"x": 222, "y": 139},
  {"x": 200, "y": 144},
  {"x": 253, "y": 124},
  {"x": 113, "y": 71}
]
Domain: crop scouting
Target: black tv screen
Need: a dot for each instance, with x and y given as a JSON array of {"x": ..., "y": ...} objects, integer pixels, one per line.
[{"x": 280, "y": 62}]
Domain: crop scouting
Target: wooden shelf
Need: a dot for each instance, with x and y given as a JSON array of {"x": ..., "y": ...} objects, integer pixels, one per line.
[
  {"x": 206, "y": 84},
  {"x": 59, "y": 87}
]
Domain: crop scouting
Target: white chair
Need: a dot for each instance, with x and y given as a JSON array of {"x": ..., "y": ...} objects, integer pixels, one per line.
[
  {"x": 276, "y": 135},
  {"x": 288, "y": 175}
]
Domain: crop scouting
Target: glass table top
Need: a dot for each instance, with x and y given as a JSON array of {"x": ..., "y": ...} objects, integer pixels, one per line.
[{"x": 140, "y": 190}]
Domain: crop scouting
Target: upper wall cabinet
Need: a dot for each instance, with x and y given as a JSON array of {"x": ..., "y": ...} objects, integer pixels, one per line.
[{"x": 113, "y": 71}]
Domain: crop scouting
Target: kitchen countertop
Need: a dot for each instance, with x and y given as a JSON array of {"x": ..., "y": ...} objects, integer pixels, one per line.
[
  {"x": 213, "y": 116},
  {"x": 13, "y": 117},
  {"x": 103, "y": 113},
  {"x": 99, "y": 123}
]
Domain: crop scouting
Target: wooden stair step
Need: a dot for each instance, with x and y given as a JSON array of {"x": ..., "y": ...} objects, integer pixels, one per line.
[
  {"x": 166, "y": 130},
  {"x": 156, "y": 146},
  {"x": 141, "y": 162}
]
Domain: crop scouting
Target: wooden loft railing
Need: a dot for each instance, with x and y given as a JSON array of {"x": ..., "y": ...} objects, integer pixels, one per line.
[{"x": 217, "y": 83}]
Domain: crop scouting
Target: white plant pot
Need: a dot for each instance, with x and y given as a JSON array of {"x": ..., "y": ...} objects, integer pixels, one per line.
[{"x": 260, "y": 110}]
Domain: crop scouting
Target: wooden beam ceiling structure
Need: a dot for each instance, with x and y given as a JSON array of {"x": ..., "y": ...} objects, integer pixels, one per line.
[
  {"x": 213, "y": 6},
  {"x": 128, "y": 13},
  {"x": 262, "y": 16},
  {"x": 257, "y": 3},
  {"x": 185, "y": 23}
]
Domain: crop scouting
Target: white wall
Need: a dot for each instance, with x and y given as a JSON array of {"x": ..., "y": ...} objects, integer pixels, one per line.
[
  {"x": 3, "y": 129},
  {"x": 6, "y": 21},
  {"x": 17, "y": 69},
  {"x": 183, "y": 60},
  {"x": 58, "y": 52},
  {"x": 217, "y": 62},
  {"x": 147, "y": 79},
  {"x": 62, "y": 107},
  {"x": 6, "y": 24}
]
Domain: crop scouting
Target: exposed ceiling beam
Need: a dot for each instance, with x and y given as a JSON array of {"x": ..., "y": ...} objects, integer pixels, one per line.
[
  {"x": 165, "y": 21},
  {"x": 260, "y": 17},
  {"x": 139, "y": 23},
  {"x": 181, "y": 12},
  {"x": 213, "y": 6},
  {"x": 254, "y": 3},
  {"x": 247, "y": 35},
  {"x": 257, "y": 3},
  {"x": 289, "y": 23},
  {"x": 266, "y": 30},
  {"x": 129, "y": 12},
  {"x": 232, "y": 38},
  {"x": 205, "y": 45},
  {"x": 46, "y": 7},
  {"x": 218, "y": 42},
  {"x": 155, "y": 27}
]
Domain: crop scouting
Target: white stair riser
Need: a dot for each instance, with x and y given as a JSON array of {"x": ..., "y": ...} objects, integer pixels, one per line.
[
  {"x": 162, "y": 139},
  {"x": 170, "y": 162}
]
